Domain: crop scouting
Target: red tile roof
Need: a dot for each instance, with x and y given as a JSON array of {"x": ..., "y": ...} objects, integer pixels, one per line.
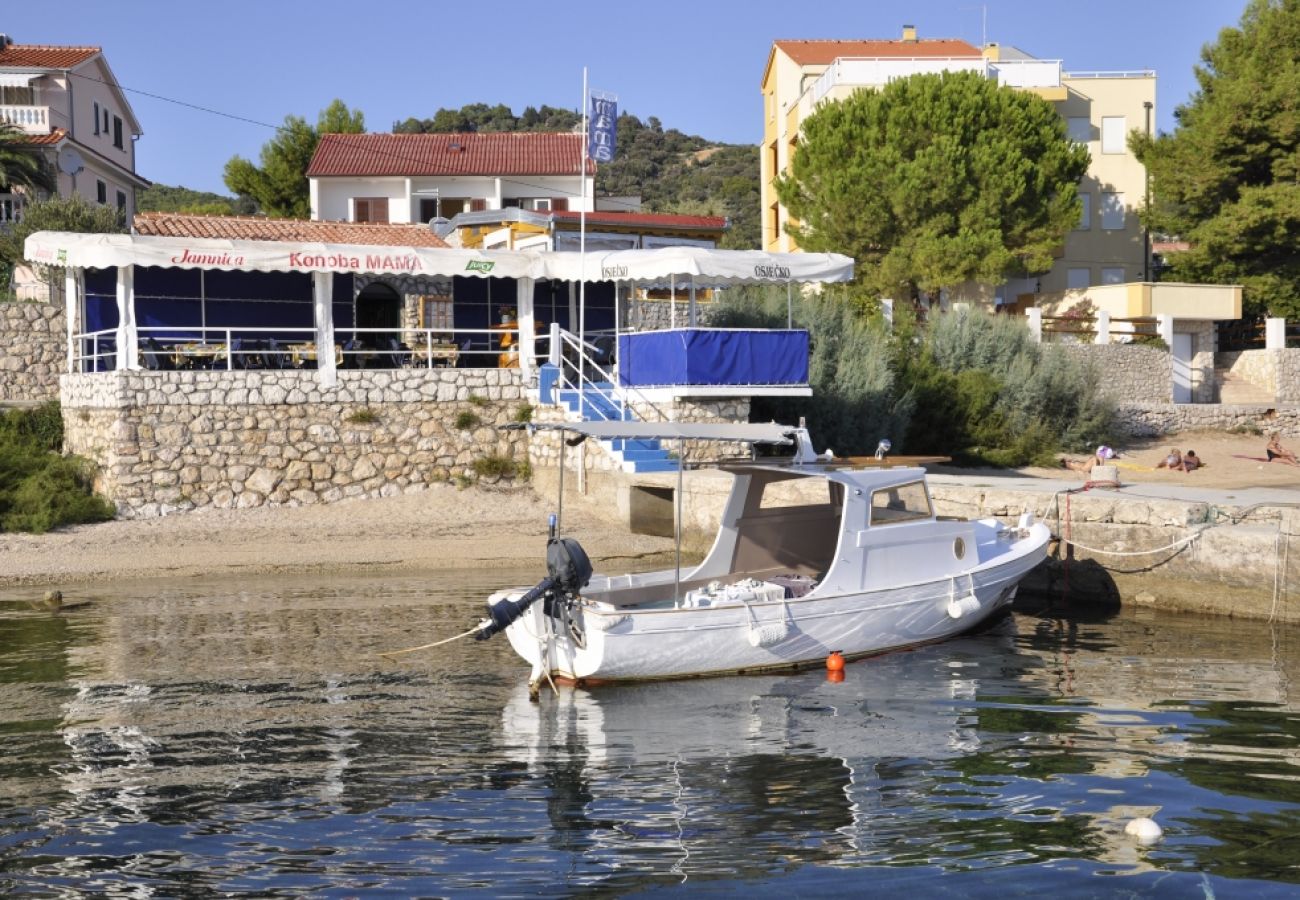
[
  {"x": 646, "y": 220},
  {"x": 42, "y": 140},
  {"x": 253, "y": 228},
  {"x": 823, "y": 53},
  {"x": 37, "y": 56},
  {"x": 447, "y": 154}
]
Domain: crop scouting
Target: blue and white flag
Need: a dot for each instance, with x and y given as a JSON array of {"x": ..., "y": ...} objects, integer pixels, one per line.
[{"x": 603, "y": 127}]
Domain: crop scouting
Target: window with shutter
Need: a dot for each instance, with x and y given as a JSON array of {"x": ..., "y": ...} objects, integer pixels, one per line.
[
  {"x": 371, "y": 209},
  {"x": 560, "y": 204},
  {"x": 117, "y": 133},
  {"x": 478, "y": 204}
]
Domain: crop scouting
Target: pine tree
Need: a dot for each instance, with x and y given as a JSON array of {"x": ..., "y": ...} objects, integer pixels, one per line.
[{"x": 1227, "y": 179}]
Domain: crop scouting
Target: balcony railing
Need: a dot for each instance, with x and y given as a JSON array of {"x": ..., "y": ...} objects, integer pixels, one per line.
[
  {"x": 860, "y": 72},
  {"x": 11, "y": 209},
  {"x": 29, "y": 119}
]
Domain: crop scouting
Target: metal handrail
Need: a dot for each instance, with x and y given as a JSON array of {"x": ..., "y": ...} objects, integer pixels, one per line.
[{"x": 620, "y": 396}]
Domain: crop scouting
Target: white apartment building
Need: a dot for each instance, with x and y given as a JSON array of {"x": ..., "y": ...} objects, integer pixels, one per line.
[{"x": 1109, "y": 245}]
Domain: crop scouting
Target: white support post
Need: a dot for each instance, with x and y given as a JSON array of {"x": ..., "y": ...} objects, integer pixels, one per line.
[
  {"x": 128, "y": 336},
  {"x": 322, "y": 293},
  {"x": 1034, "y": 316},
  {"x": 887, "y": 311},
  {"x": 554, "y": 350},
  {"x": 1103, "y": 327},
  {"x": 71, "y": 298},
  {"x": 1165, "y": 328},
  {"x": 526, "y": 340},
  {"x": 1274, "y": 334}
]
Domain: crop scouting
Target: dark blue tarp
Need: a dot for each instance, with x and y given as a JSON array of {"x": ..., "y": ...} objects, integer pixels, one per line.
[{"x": 705, "y": 356}]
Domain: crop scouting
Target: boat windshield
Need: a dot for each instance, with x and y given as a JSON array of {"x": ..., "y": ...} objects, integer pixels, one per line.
[{"x": 900, "y": 503}]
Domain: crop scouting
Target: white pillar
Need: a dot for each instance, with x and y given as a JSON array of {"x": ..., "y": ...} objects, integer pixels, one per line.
[
  {"x": 525, "y": 318},
  {"x": 1274, "y": 334},
  {"x": 128, "y": 335},
  {"x": 887, "y": 310},
  {"x": 322, "y": 307},
  {"x": 1034, "y": 316},
  {"x": 554, "y": 348},
  {"x": 1165, "y": 328},
  {"x": 70, "y": 307},
  {"x": 1103, "y": 327}
]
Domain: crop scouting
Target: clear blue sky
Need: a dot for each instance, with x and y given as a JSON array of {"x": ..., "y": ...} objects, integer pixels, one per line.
[{"x": 695, "y": 65}]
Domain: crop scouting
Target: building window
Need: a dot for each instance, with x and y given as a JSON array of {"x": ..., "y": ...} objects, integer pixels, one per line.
[
  {"x": 1112, "y": 134},
  {"x": 1113, "y": 275},
  {"x": 121, "y": 201},
  {"x": 1077, "y": 279},
  {"x": 1112, "y": 210},
  {"x": 17, "y": 95},
  {"x": 772, "y": 166},
  {"x": 1079, "y": 129},
  {"x": 11, "y": 208},
  {"x": 96, "y": 117},
  {"x": 105, "y": 128},
  {"x": 1085, "y": 217},
  {"x": 117, "y": 133},
  {"x": 101, "y": 191},
  {"x": 370, "y": 209},
  {"x": 774, "y": 223},
  {"x": 436, "y": 312}
]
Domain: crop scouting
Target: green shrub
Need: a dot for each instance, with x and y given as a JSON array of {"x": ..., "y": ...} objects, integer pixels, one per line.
[
  {"x": 476, "y": 400},
  {"x": 495, "y": 466},
  {"x": 39, "y": 489},
  {"x": 466, "y": 420},
  {"x": 363, "y": 416},
  {"x": 524, "y": 413}
]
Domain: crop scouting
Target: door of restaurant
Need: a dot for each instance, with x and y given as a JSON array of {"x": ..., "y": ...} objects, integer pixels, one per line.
[{"x": 378, "y": 306}]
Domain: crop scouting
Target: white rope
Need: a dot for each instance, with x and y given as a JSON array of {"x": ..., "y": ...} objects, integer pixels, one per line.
[
  {"x": 1175, "y": 545},
  {"x": 475, "y": 629}
]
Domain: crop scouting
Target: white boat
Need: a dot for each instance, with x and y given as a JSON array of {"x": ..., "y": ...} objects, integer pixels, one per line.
[{"x": 812, "y": 556}]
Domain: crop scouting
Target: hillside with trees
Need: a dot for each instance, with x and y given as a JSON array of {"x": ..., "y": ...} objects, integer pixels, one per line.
[{"x": 672, "y": 172}]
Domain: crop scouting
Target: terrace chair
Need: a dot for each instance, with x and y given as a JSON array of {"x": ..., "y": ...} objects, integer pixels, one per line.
[
  {"x": 274, "y": 356},
  {"x": 155, "y": 358},
  {"x": 399, "y": 355},
  {"x": 237, "y": 358},
  {"x": 463, "y": 360},
  {"x": 350, "y": 359}
]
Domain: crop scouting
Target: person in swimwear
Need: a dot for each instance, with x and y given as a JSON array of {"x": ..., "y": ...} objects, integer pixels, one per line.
[
  {"x": 1275, "y": 451},
  {"x": 1173, "y": 460}
]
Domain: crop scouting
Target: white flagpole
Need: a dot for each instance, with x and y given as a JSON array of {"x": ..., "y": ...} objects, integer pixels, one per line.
[{"x": 582, "y": 243}]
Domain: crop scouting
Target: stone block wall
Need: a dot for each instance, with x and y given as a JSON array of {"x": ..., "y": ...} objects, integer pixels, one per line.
[
  {"x": 33, "y": 350},
  {"x": 1155, "y": 419},
  {"x": 1259, "y": 367},
  {"x": 1130, "y": 373},
  {"x": 165, "y": 442}
]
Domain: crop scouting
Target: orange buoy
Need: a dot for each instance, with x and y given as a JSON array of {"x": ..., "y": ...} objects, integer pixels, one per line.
[
  {"x": 835, "y": 675},
  {"x": 835, "y": 662}
]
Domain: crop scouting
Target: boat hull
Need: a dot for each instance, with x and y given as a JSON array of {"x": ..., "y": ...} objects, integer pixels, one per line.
[{"x": 608, "y": 643}]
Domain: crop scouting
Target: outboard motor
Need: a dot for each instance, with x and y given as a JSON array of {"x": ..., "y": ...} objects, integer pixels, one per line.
[{"x": 568, "y": 571}]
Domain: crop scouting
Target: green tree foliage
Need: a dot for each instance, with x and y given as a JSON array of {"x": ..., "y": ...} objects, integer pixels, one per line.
[
  {"x": 39, "y": 489},
  {"x": 934, "y": 181},
  {"x": 165, "y": 198},
  {"x": 670, "y": 171},
  {"x": 279, "y": 186},
  {"x": 56, "y": 214},
  {"x": 23, "y": 164},
  {"x": 983, "y": 391},
  {"x": 1227, "y": 179}
]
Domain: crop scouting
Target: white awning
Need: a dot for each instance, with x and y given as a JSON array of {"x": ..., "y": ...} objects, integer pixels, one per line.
[
  {"x": 98, "y": 251},
  {"x": 17, "y": 79},
  {"x": 705, "y": 265},
  {"x": 653, "y": 266}
]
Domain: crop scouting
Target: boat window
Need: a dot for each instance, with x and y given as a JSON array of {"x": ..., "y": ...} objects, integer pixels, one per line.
[
  {"x": 799, "y": 492},
  {"x": 901, "y": 503}
]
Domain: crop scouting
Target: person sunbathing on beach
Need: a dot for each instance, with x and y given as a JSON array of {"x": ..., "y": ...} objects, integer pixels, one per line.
[
  {"x": 1173, "y": 460},
  {"x": 1275, "y": 451},
  {"x": 1102, "y": 457},
  {"x": 1191, "y": 461}
]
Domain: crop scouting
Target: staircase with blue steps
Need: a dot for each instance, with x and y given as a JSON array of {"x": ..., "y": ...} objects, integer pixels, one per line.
[{"x": 595, "y": 404}]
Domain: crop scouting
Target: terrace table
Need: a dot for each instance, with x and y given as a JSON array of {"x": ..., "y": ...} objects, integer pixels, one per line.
[
  {"x": 439, "y": 353},
  {"x": 196, "y": 355},
  {"x": 301, "y": 354}
]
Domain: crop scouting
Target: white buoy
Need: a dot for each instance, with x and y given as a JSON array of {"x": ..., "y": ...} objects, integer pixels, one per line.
[{"x": 1144, "y": 830}]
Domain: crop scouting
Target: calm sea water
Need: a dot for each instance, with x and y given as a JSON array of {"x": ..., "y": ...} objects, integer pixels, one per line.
[{"x": 244, "y": 739}]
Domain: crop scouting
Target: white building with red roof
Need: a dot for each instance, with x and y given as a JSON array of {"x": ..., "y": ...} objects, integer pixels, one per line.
[{"x": 67, "y": 100}]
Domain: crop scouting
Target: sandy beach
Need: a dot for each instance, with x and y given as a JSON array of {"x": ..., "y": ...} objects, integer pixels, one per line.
[{"x": 446, "y": 527}]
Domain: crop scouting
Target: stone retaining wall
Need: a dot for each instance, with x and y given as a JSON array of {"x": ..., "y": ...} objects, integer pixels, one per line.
[
  {"x": 34, "y": 352},
  {"x": 1130, "y": 373},
  {"x": 164, "y": 442},
  {"x": 1154, "y": 419}
]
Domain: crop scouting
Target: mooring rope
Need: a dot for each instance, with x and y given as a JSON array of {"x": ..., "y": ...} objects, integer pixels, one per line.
[{"x": 392, "y": 653}]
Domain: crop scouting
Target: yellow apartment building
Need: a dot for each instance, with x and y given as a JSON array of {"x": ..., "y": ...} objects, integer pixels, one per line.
[{"x": 1109, "y": 245}]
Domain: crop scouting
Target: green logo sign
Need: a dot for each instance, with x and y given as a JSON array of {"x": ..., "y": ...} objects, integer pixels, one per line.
[
  {"x": 63, "y": 256},
  {"x": 479, "y": 265}
]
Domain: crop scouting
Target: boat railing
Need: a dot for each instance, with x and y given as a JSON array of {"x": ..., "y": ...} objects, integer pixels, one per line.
[{"x": 582, "y": 367}]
